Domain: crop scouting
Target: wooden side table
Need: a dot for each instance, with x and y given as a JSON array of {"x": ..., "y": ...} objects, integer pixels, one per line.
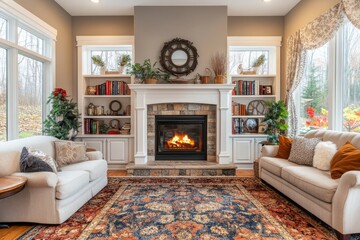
[{"x": 9, "y": 186}]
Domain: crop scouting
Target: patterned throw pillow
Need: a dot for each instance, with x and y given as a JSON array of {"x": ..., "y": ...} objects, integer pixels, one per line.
[
  {"x": 32, "y": 160},
  {"x": 68, "y": 152},
  {"x": 302, "y": 150}
]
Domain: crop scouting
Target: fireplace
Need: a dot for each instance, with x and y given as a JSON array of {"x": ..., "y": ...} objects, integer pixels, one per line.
[{"x": 180, "y": 137}]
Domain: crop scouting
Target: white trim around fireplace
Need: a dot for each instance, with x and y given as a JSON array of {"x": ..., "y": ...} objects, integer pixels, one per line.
[{"x": 216, "y": 94}]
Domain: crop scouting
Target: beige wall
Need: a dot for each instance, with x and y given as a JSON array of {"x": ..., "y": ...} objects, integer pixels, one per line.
[
  {"x": 206, "y": 27},
  {"x": 58, "y": 18},
  {"x": 302, "y": 14},
  {"x": 98, "y": 26},
  {"x": 255, "y": 26}
]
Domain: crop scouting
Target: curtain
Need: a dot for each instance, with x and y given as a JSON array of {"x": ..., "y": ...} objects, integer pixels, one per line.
[
  {"x": 296, "y": 60},
  {"x": 352, "y": 11},
  {"x": 312, "y": 36}
]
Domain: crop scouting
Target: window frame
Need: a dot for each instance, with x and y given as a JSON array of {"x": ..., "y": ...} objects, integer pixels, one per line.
[
  {"x": 336, "y": 68},
  {"x": 16, "y": 16}
]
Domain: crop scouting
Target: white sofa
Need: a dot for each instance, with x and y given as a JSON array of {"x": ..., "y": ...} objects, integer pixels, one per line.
[
  {"x": 336, "y": 202},
  {"x": 48, "y": 197}
]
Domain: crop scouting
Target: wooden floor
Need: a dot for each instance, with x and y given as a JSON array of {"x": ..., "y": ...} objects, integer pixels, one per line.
[{"x": 16, "y": 229}]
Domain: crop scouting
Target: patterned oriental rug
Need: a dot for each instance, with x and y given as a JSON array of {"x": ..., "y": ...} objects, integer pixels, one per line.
[{"x": 186, "y": 208}]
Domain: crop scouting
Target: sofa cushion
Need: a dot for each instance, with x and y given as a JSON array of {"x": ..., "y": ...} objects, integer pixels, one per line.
[
  {"x": 95, "y": 168},
  {"x": 70, "y": 182},
  {"x": 68, "y": 152},
  {"x": 302, "y": 150},
  {"x": 275, "y": 165},
  {"x": 347, "y": 158},
  {"x": 33, "y": 160},
  {"x": 284, "y": 147},
  {"x": 315, "y": 182},
  {"x": 324, "y": 152}
]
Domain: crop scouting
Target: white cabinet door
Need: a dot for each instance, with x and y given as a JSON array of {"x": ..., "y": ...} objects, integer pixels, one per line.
[
  {"x": 117, "y": 150},
  {"x": 98, "y": 144},
  {"x": 258, "y": 147},
  {"x": 243, "y": 150}
]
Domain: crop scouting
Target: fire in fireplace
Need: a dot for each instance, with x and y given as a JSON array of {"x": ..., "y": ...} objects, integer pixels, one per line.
[{"x": 181, "y": 137}]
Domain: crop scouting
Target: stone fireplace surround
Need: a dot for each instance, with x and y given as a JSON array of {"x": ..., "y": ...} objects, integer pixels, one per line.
[
  {"x": 218, "y": 95},
  {"x": 182, "y": 109}
]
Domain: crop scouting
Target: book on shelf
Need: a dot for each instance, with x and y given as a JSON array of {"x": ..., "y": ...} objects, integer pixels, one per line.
[
  {"x": 112, "y": 88},
  {"x": 238, "y": 109},
  {"x": 237, "y": 126},
  {"x": 92, "y": 126},
  {"x": 125, "y": 129},
  {"x": 243, "y": 87}
]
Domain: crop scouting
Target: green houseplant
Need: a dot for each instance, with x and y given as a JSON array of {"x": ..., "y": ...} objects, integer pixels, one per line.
[
  {"x": 124, "y": 61},
  {"x": 96, "y": 59},
  {"x": 147, "y": 72},
  {"x": 63, "y": 120},
  {"x": 275, "y": 118},
  {"x": 258, "y": 62}
]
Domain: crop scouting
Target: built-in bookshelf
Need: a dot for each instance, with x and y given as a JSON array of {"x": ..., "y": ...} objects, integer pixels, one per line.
[{"x": 248, "y": 101}]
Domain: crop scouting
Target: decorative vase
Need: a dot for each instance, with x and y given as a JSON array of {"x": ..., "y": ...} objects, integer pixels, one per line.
[
  {"x": 121, "y": 69},
  {"x": 219, "y": 79},
  {"x": 255, "y": 69},
  {"x": 205, "y": 79},
  {"x": 151, "y": 81},
  {"x": 102, "y": 70}
]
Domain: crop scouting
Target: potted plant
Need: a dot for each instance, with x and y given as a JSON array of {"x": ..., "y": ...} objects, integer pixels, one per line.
[
  {"x": 96, "y": 59},
  {"x": 147, "y": 72},
  {"x": 258, "y": 62},
  {"x": 63, "y": 119},
  {"x": 124, "y": 61},
  {"x": 218, "y": 65},
  {"x": 275, "y": 118}
]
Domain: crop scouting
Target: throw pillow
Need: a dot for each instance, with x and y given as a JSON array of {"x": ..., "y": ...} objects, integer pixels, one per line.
[
  {"x": 302, "y": 150},
  {"x": 32, "y": 160},
  {"x": 284, "y": 147},
  {"x": 347, "y": 158},
  {"x": 68, "y": 152},
  {"x": 324, "y": 152}
]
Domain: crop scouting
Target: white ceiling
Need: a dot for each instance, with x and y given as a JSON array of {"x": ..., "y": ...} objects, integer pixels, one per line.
[{"x": 126, "y": 7}]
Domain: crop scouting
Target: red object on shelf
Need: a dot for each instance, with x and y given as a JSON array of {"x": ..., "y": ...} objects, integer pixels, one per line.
[{"x": 113, "y": 132}]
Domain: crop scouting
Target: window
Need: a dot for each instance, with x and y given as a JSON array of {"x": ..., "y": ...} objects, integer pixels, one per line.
[
  {"x": 3, "y": 28},
  {"x": 26, "y": 76},
  {"x": 350, "y": 78},
  {"x": 336, "y": 65},
  {"x": 3, "y": 80},
  {"x": 245, "y": 50},
  {"x": 110, "y": 56},
  {"x": 30, "y": 91},
  {"x": 313, "y": 91},
  {"x": 238, "y": 55}
]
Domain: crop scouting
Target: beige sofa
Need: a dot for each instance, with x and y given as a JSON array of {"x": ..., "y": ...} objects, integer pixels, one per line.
[
  {"x": 48, "y": 197},
  {"x": 336, "y": 202}
]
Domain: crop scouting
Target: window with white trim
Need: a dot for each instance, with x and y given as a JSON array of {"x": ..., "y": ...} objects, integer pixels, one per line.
[
  {"x": 26, "y": 71},
  {"x": 329, "y": 94}
]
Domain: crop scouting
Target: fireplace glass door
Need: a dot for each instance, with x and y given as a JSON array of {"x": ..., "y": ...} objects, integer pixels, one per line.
[{"x": 181, "y": 137}]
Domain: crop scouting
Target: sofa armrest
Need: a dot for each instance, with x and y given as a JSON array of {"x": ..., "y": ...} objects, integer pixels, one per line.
[
  {"x": 269, "y": 150},
  {"x": 95, "y": 155},
  {"x": 346, "y": 204},
  {"x": 39, "y": 179}
]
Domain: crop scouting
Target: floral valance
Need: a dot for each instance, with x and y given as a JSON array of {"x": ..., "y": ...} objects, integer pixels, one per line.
[
  {"x": 322, "y": 29},
  {"x": 352, "y": 11}
]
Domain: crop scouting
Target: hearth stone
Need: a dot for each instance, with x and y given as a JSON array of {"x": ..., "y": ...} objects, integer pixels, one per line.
[{"x": 182, "y": 168}]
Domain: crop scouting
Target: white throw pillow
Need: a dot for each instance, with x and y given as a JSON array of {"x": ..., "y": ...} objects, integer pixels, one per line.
[{"x": 324, "y": 152}]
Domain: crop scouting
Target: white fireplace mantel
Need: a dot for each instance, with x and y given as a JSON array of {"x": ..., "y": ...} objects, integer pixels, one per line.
[{"x": 216, "y": 94}]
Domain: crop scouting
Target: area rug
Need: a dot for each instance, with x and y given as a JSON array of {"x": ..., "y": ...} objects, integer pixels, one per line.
[{"x": 186, "y": 208}]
